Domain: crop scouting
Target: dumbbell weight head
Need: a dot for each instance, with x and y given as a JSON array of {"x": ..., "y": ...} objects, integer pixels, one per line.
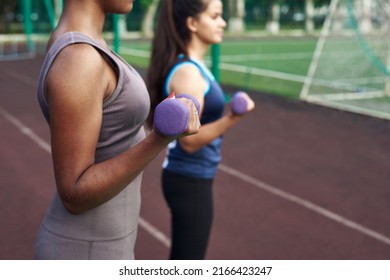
[
  {"x": 239, "y": 104},
  {"x": 171, "y": 116}
]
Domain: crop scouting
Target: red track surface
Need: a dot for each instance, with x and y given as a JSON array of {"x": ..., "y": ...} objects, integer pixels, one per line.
[{"x": 297, "y": 181}]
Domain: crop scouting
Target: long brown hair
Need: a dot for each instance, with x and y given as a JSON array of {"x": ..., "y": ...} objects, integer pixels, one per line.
[{"x": 171, "y": 39}]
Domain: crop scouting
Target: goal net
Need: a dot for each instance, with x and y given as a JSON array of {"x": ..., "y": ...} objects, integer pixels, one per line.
[{"x": 350, "y": 68}]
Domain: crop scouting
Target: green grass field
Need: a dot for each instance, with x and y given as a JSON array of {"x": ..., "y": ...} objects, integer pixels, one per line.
[
  {"x": 279, "y": 65},
  {"x": 273, "y": 66},
  {"x": 346, "y": 77}
]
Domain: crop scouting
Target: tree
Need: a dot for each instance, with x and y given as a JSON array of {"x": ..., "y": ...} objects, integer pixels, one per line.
[
  {"x": 7, "y": 14},
  {"x": 386, "y": 9},
  {"x": 363, "y": 8},
  {"x": 236, "y": 16},
  {"x": 273, "y": 25},
  {"x": 309, "y": 12},
  {"x": 54, "y": 9},
  {"x": 147, "y": 22}
]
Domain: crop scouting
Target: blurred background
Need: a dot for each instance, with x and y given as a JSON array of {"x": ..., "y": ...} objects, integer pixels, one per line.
[
  {"x": 305, "y": 182},
  {"x": 330, "y": 52}
]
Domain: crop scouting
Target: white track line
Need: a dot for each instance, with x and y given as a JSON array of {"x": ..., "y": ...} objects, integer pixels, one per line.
[
  {"x": 135, "y": 52},
  {"x": 25, "y": 130},
  {"x": 305, "y": 203},
  {"x": 46, "y": 147},
  {"x": 155, "y": 232},
  {"x": 160, "y": 236},
  {"x": 343, "y": 85},
  {"x": 24, "y": 78},
  {"x": 265, "y": 56}
]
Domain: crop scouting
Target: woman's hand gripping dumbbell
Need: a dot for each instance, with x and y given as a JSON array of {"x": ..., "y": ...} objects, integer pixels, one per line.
[
  {"x": 241, "y": 103},
  {"x": 177, "y": 115}
]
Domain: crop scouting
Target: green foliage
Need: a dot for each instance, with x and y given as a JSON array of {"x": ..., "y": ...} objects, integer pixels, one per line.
[{"x": 144, "y": 4}]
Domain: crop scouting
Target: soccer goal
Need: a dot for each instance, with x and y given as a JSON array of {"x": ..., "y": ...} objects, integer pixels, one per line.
[{"x": 350, "y": 68}]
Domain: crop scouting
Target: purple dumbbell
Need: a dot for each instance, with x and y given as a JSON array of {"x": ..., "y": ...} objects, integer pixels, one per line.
[
  {"x": 171, "y": 116},
  {"x": 189, "y": 96},
  {"x": 239, "y": 104}
]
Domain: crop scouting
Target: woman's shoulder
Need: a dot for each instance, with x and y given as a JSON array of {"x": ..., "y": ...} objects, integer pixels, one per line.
[
  {"x": 187, "y": 71},
  {"x": 75, "y": 49},
  {"x": 78, "y": 65},
  {"x": 80, "y": 56},
  {"x": 187, "y": 78}
]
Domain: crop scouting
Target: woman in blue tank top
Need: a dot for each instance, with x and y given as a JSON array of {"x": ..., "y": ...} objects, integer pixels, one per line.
[{"x": 185, "y": 30}]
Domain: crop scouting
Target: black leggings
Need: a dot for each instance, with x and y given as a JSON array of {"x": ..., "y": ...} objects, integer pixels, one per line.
[{"x": 191, "y": 204}]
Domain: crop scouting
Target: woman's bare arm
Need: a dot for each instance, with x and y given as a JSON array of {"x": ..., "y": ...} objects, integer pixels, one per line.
[
  {"x": 188, "y": 79},
  {"x": 77, "y": 84}
]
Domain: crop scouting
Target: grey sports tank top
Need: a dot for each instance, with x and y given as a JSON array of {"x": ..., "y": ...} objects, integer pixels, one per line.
[{"x": 122, "y": 127}]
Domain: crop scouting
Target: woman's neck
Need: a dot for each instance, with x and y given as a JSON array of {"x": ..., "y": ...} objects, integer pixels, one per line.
[
  {"x": 85, "y": 17},
  {"x": 197, "y": 50}
]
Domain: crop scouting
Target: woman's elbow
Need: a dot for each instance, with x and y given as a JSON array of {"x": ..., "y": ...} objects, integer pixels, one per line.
[
  {"x": 72, "y": 206},
  {"x": 73, "y": 209},
  {"x": 189, "y": 147}
]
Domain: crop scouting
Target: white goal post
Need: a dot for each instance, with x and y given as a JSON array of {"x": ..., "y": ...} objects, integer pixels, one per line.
[{"x": 350, "y": 67}]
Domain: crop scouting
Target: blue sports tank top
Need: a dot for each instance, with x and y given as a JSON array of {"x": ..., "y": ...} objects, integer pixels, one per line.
[
  {"x": 122, "y": 127},
  {"x": 204, "y": 162}
]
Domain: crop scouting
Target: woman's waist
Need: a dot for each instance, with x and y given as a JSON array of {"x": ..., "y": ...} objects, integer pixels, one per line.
[{"x": 114, "y": 219}]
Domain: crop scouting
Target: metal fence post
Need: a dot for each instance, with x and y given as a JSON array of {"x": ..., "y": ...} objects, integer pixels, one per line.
[
  {"x": 26, "y": 7},
  {"x": 116, "y": 33},
  {"x": 215, "y": 50}
]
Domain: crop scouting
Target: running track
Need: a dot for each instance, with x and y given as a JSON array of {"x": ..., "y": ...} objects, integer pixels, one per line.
[{"x": 297, "y": 181}]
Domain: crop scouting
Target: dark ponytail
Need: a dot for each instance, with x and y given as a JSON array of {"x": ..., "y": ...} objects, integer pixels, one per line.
[{"x": 171, "y": 39}]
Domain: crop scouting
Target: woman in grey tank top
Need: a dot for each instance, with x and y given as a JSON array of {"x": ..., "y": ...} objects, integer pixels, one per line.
[{"x": 96, "y": 105}]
